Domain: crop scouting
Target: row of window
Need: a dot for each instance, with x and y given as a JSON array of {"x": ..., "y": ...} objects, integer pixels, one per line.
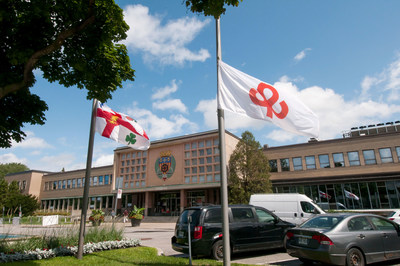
[
  {"x": 133, "y": 162},
  {"x": 78, "y": 182},
  {"x": 76, "y": 203},
  {"x": 201, "y": 144},
  {"x": 360, "y": 195},
  {"x": 133, "y": 169},
  {"x": 135, "y": 184},
  {"x": 202, "y": 178},
  {"x": 133, "y": 155},
  {"x": 338, "y": 160}
]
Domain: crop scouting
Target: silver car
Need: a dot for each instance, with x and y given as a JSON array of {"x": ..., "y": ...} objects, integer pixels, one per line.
[{"x": 344, "y": 239}]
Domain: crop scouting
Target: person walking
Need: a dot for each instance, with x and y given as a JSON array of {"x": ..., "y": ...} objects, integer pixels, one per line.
[{"x": 126, "y": 215}]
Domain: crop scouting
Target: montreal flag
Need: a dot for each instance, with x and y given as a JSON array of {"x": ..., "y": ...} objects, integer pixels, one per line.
[{"x": 120, "y": 127}]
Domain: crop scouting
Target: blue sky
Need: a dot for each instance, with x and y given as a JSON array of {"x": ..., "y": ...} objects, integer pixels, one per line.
[{"x": 341, "y": 58}]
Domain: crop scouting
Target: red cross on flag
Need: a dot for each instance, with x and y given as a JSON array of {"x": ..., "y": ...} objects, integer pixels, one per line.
[
  {"x": 246, "y": 95},
  {"x": 120, "y": 127}
]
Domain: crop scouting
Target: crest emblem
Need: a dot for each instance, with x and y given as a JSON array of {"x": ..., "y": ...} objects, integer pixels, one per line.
[{"x": 165, "y": 165}]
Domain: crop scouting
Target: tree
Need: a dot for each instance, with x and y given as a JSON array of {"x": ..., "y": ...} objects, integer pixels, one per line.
[
  {"x": 9, "y": 168},
  {"x": 248, "y": 170},
  {"x": 71, "y": 42},
  {"x": 13, "y": 199},
  {"x": 210, "y": 7}
]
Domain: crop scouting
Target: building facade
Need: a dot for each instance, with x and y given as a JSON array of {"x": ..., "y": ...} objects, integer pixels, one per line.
[
  {"x": 173, "y": 174},
  {"x": 359, "y": 171}
]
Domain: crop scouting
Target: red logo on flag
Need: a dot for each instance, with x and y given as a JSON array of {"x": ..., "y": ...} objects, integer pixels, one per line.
[{"x": 269, "y": 102}]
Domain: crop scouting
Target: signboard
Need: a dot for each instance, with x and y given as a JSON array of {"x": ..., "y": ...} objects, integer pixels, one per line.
[
  {"x": 50, "y": 220},
  {"x": 119, "y": 194}
]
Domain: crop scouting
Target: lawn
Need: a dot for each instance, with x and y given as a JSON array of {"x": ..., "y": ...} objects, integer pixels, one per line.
[{"x": 129, "y": 256}]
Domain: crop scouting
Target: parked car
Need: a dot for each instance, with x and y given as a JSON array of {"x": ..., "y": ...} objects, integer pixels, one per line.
[
  {"x": 344, "y": 239},
  {"x": 250, "y": 228},
  {"x": 291, "y": 207},
  {"x": 395, "y": 216}
]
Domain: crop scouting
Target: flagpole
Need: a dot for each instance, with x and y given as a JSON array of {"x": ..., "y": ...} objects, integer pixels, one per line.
[
  {"x": 87, "y": 181},
  {"x": 224, "y": 182}
]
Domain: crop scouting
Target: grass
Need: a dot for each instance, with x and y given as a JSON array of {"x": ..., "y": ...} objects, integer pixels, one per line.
[
  {"x": 129, "y": 256},
  {"x": 67, "y": 237}
]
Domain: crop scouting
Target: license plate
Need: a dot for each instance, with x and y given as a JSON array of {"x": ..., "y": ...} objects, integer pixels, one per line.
[
  {"x": 302, "y": 241},
  {"x": 181, "y": 234}
]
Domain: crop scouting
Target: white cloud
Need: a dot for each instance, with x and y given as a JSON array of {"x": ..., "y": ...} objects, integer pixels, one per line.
[
  {"x": 301, "y": 55},
  {"x": 160, "y": 127},
  {"x": 103, "y": 160},
  {"x": 170, "y": 104},
  {"x": 165, "y": 43},
  {"x": 166, "y": 91},
  {"x": 32, "y": 142},
  {"x": 386, "y": 81},
  {"x": 12, "y": 158}
]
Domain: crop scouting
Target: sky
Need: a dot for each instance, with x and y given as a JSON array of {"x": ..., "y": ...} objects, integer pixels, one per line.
[{"x": 340, "y": 58}]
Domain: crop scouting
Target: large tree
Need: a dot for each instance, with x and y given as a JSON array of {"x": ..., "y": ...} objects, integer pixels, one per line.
[
  {"x": 9, "y": 168},
  {"x": 213, "y": 8},
  {"x": 73, "y": 42},
  {"x": 248, "y": 170}
]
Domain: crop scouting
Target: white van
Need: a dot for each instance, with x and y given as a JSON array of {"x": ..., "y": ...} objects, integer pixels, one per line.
[{"x": 292, "y": 207}]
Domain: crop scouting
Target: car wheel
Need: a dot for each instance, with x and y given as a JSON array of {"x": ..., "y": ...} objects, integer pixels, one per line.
[
  {"x": 218, "y": 250},
  {"x": 355, "y": 257}
]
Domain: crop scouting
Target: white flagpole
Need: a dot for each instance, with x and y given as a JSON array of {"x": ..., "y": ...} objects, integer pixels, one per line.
[
  {"x": 224, "y": 182},
  {"x": 85, "y": 200}
]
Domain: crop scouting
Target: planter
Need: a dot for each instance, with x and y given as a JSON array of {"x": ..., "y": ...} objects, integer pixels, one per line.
[
  {"x": 96, "y": 223},
  {"x": 135, "y": 222}
]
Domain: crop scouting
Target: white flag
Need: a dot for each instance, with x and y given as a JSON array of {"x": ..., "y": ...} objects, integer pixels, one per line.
[
  {"x": 351, "y": 195},
  {"x": 120, "y": 127},
  {"x": 244, "y": 94}
]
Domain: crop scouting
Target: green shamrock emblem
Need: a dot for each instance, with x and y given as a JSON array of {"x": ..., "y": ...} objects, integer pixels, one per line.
[{"x": 130, "y": 139}]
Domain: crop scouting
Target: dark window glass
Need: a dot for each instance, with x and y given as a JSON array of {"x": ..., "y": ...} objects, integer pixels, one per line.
[
  {"x": 213, "y": 216},
  {"x": 242, "y": 215},
  {"x": 273, "y": 166},
  {"x": 285, "y": 164}
]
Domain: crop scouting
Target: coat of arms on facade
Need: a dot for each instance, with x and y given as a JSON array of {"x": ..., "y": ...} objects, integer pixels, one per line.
[{"x": 165, "y": 165}]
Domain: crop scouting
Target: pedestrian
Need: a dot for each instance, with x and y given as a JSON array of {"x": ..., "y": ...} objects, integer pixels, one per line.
[{"x": 126, "y": 215}]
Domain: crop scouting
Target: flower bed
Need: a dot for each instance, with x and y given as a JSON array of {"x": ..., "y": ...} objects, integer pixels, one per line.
[{"x": 68, "y": 251}]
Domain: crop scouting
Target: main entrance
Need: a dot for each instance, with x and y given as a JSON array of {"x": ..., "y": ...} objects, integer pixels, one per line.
[{"x": 167, "y": 203}]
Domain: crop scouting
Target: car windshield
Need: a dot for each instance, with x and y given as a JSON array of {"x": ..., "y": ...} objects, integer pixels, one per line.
[
  {"x": 322, "y": 222},
  {"x": 195, "y": 214}
]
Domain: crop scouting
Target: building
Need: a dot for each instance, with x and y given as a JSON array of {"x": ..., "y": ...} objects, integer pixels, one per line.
[
  {"x": 173, "y": 174},
  {"x": 360, "y": 170}
]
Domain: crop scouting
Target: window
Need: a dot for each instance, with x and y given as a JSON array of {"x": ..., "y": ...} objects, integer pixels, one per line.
[
  {"x": 201, "y": 152},
  {"x": 201, "y": 178},
  {"x": 382, "y": 224},
  {"x": 209, "y": 151},
  {"x": 73, "y": 183},
  {"x": 213, "y": 216},
  {"x": 55, "y": 185},
  {"x": 79, "y": 182},
  {"x": 144, "y": 160},
  {"x": 100, "y": 180},
  {"x": 273, "y": 166},
  {"x": 369, "y": 157},
  {"x": 143, "y": 167},
  {"x": 353, "y": 158},
  {"x": 208, "y": 143},
  {"x": 194, "y": 170},
  {"x": 143, "y": 183},
  {"x": 285, "y": 164},
  {"x": 143, "y": 175},
  {"x": 95, "y": 181},
  {"x": 187, "y": 146},
  {"x": 69, "y": 182},
  {"x": 194, "y": 145},
  {"x": 123, "y": 163},
  {"x": 201, "y": 169},
  {"x": 194, "y": 153},
  {"x": 201, "y": 144},
  {"x": 310, "y": 162},
  {"x": 187, "y": 162},
  {"x": 338, "y": 159},
  {"x": 242, "y": 215},
  {"x": 217, "y": 168},
  {"x": 106, "y": 180},
  {"x": 216, "y": 150},
  {"x": 297, "y": 164},
  {"x": 398, "y": 152},
  {"x": 209, "y": 178},
  {"x": 359, "y": 224},
  {"x": 324, "y": 161},
  {"x": 187, "y": 170},
  {"x": 201, "y": 160},
  {"x": 194, "y": 161},
  {"x": 63, "y": 184},
  {"x": 187, "y": 179},
  {"x": 194, "y": 179},
  {"x": 209, "y": 168},
  {"x": 264, "y": 217},
  {"x": 209, "y": 159},
  {"x": 386, "y": 155}
]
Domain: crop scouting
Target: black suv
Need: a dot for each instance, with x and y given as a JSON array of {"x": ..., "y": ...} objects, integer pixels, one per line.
[{"x": 250, "y": 228}]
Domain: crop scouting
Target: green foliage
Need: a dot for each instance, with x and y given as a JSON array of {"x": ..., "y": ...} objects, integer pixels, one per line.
[
  {"x": 213, "y": 8},
  {"x": 9, "y": 168},
  {"x": 248, "y": 170},
  {"x": 96, "y": 215},
  {"x": 13, "y": 199},
  {"x": 136, "y": 213},
  {"x": 74, "y": 43}
]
